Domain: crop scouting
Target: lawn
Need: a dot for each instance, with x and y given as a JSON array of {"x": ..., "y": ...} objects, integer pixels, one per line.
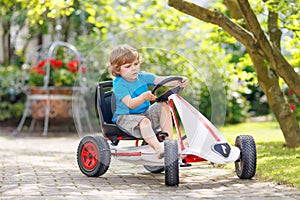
[{"x": 275, "y": 162}]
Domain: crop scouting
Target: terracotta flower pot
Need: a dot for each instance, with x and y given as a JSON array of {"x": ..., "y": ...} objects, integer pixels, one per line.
[{"x": 60, "y": 99}]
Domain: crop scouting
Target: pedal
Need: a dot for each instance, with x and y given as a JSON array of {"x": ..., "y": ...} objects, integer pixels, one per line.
[
  {"x": 161, "y": 136},
  {"x": 114, "y": 141}
]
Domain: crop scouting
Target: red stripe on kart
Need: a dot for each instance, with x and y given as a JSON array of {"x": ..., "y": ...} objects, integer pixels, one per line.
[
  {"x": 128, "y": 153},
  {"x": 171, "y": 104},
  {"x": 200, "y": 118}
]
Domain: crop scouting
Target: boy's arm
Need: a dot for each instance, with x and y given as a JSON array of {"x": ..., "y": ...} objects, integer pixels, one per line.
[
  {"x": 183, "y": 83},
  {"x": 137, "y": 101}
]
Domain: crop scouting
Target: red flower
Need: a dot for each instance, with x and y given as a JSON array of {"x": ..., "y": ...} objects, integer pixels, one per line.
[
  {"x": 37, "y": 70},
  {"x": 42, "y": 72},
  {"x": 56, "y": 78},
  {"x": 56, "y": 64},
  {"x": 41, "y": 64},
  {"x": 73, "y": 66}
]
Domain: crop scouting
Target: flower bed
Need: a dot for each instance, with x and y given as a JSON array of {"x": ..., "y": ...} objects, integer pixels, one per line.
[{"x": 61, "y": 74}]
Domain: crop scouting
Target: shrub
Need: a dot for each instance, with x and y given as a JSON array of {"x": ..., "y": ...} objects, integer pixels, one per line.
[{"x": 11, "y": 95}]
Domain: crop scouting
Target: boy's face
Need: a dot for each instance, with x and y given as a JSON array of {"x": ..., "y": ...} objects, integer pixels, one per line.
[{"x": 130, "y": 71}]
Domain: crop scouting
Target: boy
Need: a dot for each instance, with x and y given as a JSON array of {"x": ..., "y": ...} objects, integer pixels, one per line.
[{"x": 133, "y": 110}]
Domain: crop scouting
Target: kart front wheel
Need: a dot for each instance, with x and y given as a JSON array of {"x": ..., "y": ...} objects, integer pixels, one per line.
[
  {"x": 93, "y": 155},
  {"x": 245, "y": 166},
  {"x": 171, "y": 163}
]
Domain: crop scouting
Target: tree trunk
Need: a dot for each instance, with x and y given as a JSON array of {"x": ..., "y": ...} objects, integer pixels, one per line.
[
  {"x": 40, "y": 40},
  {"x": 2, "y": 46},
  {"x": 5, "y": 49},
  {"x": 6, "y": 42},
  {"x": 260, "y": 49},
  {"x": 269, "y": 83}
]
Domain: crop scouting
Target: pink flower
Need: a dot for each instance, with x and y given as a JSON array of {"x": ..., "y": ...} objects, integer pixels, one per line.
[
  {"x": 290, "y": 92},
  {"x": 293, "y": 107},
  {"x": 83, "y": 69}
]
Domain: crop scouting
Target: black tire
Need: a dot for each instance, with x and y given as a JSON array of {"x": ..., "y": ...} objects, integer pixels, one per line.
[
  {"x": 93, "y": 156},
  {"x": 245, "y": 167},
  {"x": 171, "y": 163},
  {"x": 154, "y": 169}
]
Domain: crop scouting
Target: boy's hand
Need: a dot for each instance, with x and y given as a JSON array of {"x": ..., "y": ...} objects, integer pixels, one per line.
[
  {"x": 149, "y": 96},
  {"x": 184, "y": 82}
]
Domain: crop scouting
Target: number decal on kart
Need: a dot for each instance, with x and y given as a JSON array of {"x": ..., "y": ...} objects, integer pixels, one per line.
[{"x": 222, "y": 148}]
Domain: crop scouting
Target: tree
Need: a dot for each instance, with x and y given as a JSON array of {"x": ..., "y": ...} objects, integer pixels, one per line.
[
  {"x": 264, "y": 51},
  {"x": 10, "y": 15},
  {"x": 64, "y": 20}
]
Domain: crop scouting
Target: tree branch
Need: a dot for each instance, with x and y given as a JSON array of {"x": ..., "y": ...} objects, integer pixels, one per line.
[
  {"x": 218, "y": 18},
  {"x": 273, "y": 29},
  {"x": 271, "y": 52},
  {"x": 254, "y": 25}
]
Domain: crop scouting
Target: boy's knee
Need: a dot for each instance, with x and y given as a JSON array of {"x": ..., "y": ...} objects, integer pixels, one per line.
[
  {"x": 145, "y": 122},
  {"x": 164, "y": 105}
]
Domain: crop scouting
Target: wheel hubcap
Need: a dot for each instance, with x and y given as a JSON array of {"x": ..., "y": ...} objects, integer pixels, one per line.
[{"x": 89, "y": 155}]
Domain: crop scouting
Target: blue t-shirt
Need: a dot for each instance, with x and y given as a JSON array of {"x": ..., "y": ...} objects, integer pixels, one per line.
[{"x": 123, "y": 88}]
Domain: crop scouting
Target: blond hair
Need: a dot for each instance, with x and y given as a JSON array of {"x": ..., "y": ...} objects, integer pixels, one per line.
[{"x": 120, "y": 55}]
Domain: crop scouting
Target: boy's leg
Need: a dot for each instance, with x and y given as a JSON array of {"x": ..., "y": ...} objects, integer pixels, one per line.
[
  {"x": 166, "y": 120},
  {"x": 150, "y": 137}
]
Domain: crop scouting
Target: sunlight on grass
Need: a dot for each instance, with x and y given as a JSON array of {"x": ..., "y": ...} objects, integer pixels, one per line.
[
  {"x": 261, "y": 131},
  {"x": 275, "y": 162}
]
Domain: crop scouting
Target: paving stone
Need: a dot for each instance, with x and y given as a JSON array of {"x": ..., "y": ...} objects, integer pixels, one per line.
[{"x": 46, "y": 168}]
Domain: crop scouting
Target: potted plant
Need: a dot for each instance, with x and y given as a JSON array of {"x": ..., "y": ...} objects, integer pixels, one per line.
[
  {"x": 62, "y": 79},
  {"x": 61, "y": 74}
]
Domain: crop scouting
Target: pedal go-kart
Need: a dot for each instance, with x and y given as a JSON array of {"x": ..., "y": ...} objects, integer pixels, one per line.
[{"x": 201, "y": 142}]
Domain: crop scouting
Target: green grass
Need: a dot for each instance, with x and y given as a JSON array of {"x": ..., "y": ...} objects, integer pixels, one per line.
[{"x": 275, "y": 162}]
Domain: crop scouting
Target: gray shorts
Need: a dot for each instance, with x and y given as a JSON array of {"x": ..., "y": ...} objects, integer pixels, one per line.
[{"x": 131, "y": 122}]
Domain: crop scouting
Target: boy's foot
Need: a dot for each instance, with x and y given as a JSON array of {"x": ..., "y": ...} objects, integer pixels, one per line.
[
  {"x": 160, "y": 153},
  {"x": 161, "y": 156}
]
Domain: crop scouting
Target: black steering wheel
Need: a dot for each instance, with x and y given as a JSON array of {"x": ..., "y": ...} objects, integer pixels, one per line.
[{"x": 166, "y": 94}]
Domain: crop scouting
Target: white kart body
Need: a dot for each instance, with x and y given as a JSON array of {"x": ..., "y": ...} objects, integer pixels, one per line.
[
  {"x": 143, "y": 155},
  {"x": 203, "y": 140}
]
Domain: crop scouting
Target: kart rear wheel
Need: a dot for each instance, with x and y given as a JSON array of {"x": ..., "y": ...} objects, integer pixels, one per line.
[
  {"x": 93, "y": 155},
  {"x": 245, "y": 166},
  {"x": 171, "y": 163}
]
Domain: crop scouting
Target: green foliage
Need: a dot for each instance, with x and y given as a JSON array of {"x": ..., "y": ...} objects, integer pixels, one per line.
[
  {"x": 178, "y": 44},
  {"x": 156, "y": 30},
  {"x": 38, "y": 12},
  {"x": 11, "y": 97},
  {"x": 36, "y": 79},
  {"x": 288, "y": 21},
  {"x": 275, "y": 162},
  {"x": 236, "y": 109}
]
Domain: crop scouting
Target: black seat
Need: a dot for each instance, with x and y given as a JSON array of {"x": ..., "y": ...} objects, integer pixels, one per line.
[{"x": 105, "y": 103}]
